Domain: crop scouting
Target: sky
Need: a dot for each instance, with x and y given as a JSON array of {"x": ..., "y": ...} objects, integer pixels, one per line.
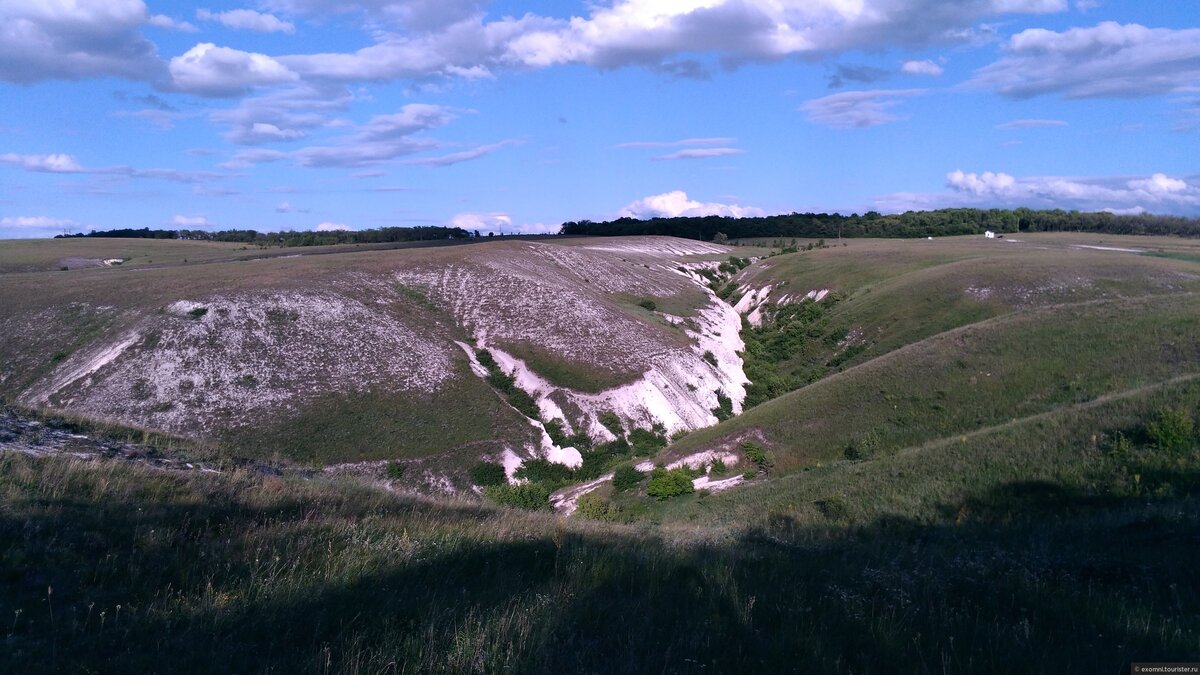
[{"x": 518, "y": 115}]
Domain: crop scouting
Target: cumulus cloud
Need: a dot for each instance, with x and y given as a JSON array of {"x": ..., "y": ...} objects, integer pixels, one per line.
[
  {"x": 209, "y": 70},
  {"x": 1107, "y": 60},
  {"x": 1158, "y": 193},
  {"x": 332, "y": 227},
  {"x": 54, "y": 163},
  {"x": 1031, "y": 124},
  {"x": 668, "y": 37},
  {"x": 21, "y": 227},
  {"x": 414, "y": 15},
  {"x": 698, "y": 153},
  {"x": 857, "y": 109},
  {"x": 677, "y": 203},
  {"x": 484, "y": 222},
  {"x": 190, "y": 221},
  {"x": 247, "y": 19},
  {"x": 34, "y": 226},
  {"x": 925, "y": 67},
  {"x": 42, "y": 40}
]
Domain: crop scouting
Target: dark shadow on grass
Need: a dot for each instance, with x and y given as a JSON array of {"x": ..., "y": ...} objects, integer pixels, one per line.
[{"x": 230, "y": 588}]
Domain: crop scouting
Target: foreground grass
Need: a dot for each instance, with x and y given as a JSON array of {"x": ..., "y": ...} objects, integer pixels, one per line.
[{"x": 111, "y": 568}]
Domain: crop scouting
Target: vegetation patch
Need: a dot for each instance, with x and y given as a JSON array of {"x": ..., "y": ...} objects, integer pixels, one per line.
[
  {"x": 667, "y": 483},
  {"x": 561, "y": 372},
  {"x": 486, "y": 474}
]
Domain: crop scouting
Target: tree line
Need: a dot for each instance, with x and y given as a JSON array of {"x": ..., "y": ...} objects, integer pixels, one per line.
[
  {"x": 376, "y": 236},
  {"x": 939, "y": 223}
]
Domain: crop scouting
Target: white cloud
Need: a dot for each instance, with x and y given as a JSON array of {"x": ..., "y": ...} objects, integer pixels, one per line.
[
  {"x": 359, "y": 154},
  {"x": 414, "y": 15},
  {"x": 412, "y": 118},
  {"x": 63, "y": 163},
  {"x": 247, "y": 19},
  {"x": 285, "y": 114},
  {"x": 71, "y": 39},
  {"x": 986, "y": 183},
  {"x": 333, "y": 227},
  {"x": 381, "y": 139},
  {"x": 925, "y": 67},
  {"x": 55, "y": 163},
  {"x": 718, "y": 140},
  {"x": 209, "y": 70},
  {"x": 1107, "y": 60},
  {"x": 190, "y": 221},
  {"x": 668, "y": 36},
  {"x": 1158, "y": 193},
  {"x": 247, "y": 158},
  {"x": 464, "y": 156},
  {"x": 677, "y": 203},
  {"x": 484, "y": 222},
  {"x": 167, "y": 23},
  {"x": 857, "y": 109},
  {"x": 699, "y": 153},
  {"x": 35, "y": 226},
  {"x": 1031, "y": 124}
]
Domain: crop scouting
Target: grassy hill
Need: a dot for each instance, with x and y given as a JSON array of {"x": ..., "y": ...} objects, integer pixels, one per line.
[{"x": 985, "y": 459}]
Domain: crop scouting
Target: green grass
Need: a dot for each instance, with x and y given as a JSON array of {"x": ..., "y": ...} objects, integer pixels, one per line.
[
  {"x": 585, "y": 377},
  {"x": 1186, "y": 257},
  {"x": 465, "y": 418},
  {"x": 983, "y": 374},
  {"x": 115, "y": 568}
]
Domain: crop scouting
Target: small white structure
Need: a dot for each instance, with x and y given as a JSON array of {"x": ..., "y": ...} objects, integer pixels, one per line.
[{"x": 989, "y": 234}]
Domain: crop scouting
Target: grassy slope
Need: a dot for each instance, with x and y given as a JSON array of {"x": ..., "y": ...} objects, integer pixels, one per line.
[
  {"x": 114, "y": 568},
  {"x": 979, "y": 539},
  {"x": 976, "y": 376},
  {"x": 900, "y": 292}
]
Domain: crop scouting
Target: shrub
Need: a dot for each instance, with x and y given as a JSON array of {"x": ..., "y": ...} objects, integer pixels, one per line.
[
  {"x": 665, "y": 484},
  {"x": 543, "y": 471},
  {"x": 711, "y": 358},
  {"x": 580, "y": 441},
  {"x": 557, "y": 434},
  {"x": 724, "y": 409},
  {"x": 718, "y": 467},
  {"x": 646, "y": 443},
  {"x": 484, "y": 474},
  {"x": 525, "y": 496},
  {"x": 198, "y": 312},
  {"x": 625, "y": 477},
  {"x": 595, "y": 507},
  {"x": 486, "y": 359},
  {"x": 862, "y": 448},
  {"x": 395, "y": 470},
  {"x": 758, "y": 455},
  {"x": 612, "y": 422},
  {"x": 648, "y": 305},
  {"x": 1172, "y": 430}
]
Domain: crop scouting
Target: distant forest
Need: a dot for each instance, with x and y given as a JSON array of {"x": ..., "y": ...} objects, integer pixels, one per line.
[
  {"x": 940, "y": 223},
  {"x": 378, "y": 236}
]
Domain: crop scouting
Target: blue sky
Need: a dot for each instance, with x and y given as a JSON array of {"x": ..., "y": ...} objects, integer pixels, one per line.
[{"x": 517, "y": 116}]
